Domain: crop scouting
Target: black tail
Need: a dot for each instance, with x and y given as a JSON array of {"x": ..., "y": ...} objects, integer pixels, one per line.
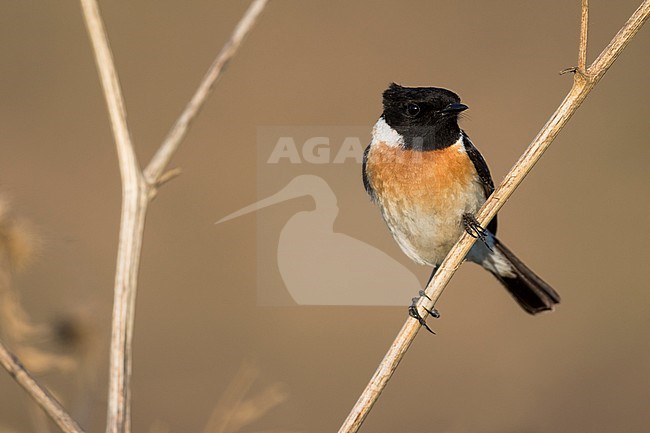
[{"x": 529, "y": 290}]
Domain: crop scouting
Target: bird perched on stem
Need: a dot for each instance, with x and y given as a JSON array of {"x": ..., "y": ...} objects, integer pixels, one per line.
[{"x": 429, "y": 180}]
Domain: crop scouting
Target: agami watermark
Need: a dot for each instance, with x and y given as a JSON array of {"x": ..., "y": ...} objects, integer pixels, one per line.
[{"x": 301, "y": 259}]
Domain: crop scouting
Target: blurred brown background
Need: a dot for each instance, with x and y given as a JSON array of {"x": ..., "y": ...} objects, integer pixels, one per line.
[{"x": 580, "y": 219}]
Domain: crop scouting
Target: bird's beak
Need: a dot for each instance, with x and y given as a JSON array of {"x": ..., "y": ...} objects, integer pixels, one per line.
[{"x": 454, "y": 108}]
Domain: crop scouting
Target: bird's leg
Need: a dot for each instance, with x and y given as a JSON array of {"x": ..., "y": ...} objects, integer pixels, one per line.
[
  {"x": 433, "y": 312},
  {"x": 474, "y": 229},
  {"x": 413, "y": 312},
  {"x": 433, "y": 274},
  {"x": 413, "y": 309}
]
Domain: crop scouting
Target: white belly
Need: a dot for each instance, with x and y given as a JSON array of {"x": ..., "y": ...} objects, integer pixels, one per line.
[{"x": 427, "y": 233}]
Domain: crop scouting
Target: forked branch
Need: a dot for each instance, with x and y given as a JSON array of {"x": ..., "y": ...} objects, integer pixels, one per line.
[
  {"x": 138, "y": 188},
  {"x": 584, "y": 81}
]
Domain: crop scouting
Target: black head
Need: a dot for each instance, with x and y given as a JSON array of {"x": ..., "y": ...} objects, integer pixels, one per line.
[{"x": 427, "y": 117}]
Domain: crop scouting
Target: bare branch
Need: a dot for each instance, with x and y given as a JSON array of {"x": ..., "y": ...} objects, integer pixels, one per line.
[
  {"x": 620, "y": 41},
  {"x": 582, "y": 48},
  {"x": 179, "y": 130},
  {"x": 112, "y": 90},
  {"x": 582, "y": 85},
  {"x": 44, "y": 399}
]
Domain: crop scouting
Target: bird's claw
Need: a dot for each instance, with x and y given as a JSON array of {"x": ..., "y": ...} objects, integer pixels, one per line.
[
  {"x": 433, "y": 312},
  {"x": 413, "y": 311},
  {"x": 475, "y": 230}
]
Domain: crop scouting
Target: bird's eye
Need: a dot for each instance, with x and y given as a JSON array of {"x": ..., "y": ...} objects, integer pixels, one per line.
[{"x": 412, "y": 110}]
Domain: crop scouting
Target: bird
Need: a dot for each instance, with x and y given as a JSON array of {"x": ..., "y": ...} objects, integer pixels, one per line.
[{"x": 429, "y": 180}]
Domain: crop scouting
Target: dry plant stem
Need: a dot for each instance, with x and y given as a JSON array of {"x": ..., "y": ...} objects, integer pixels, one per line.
[
  {"x": 179, "y": 130},
  {"x": 582, "y": 48},
  {"x": 582, "y": 85},
  {"x": 44, "y": 399},
  {"x": 134, "y": 207},
  {"x": 138, "y": 189}
]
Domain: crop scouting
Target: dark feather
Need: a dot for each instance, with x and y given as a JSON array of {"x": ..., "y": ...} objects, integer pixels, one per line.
[
  {"x": 483, "y": 173},
  {"x": 366, "y": 179},
  {"x": 530, "y": 291}
]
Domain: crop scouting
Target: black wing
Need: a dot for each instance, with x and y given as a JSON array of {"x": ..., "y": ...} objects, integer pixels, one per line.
[
  {"x": 483, "y": 174},
  {"x": 366, "y": 180}
]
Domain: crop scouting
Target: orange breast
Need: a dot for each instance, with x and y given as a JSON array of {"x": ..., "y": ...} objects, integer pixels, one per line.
[
  {"x": 423, "y": 195},
  {"x": 431, "y": 179}
]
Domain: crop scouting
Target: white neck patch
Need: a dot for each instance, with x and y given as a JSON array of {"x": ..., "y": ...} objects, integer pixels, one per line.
[
  {"x": 383, "y": 133},
  {"x": 460, "y": 144}
]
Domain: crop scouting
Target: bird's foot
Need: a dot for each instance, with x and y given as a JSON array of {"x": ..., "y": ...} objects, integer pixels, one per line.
[
  {"x": 433, "y": 312},
  {"x": 413, "y": 311},
  {"x": 475, "y": 230}
]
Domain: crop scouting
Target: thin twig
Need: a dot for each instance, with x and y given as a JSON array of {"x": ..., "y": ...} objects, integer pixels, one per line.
[
  {"x": 111, "y": 85},
  {"x": 179, "y": 130},
  {"x": 582, "y": 85},
  {"x": 44, "y": 399},
  {"x": 582, "y": 48}
]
